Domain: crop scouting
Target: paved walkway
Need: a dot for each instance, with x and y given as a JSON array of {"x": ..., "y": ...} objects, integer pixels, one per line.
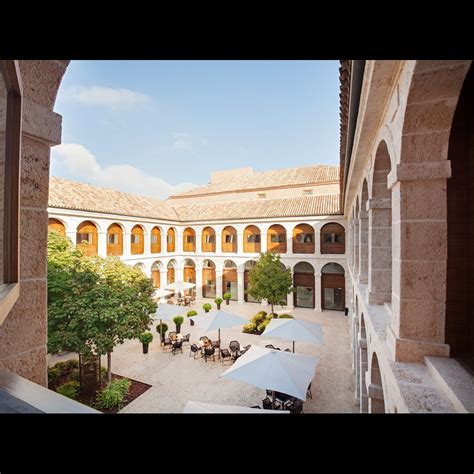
[{"x": 179, "y": 378}]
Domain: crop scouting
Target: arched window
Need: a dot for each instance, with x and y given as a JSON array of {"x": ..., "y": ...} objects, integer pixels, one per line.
[
  {"x": 303, "y": 281},
  {"x": 170, "y": 274},
  {"x": 276, "y": 239},
  {"x": 156, "y": 274},
  {"x": 57, "y": 225},
  {"x": 189, "y": 240},
  {"x": 170, "y": 240},
  {"x": 252, "y": 239},
  {"x": 208, "y": 240},
  {"x": 229, "y": 239},
  {"x": 86, "y": 237},
  {"x": 229, "y": 279},
  {"x": 189, "y": 271},
  {"x": 155, "y": 240},
  {"x": 332, "y": 238},
  {"x": 333, "y": 283},
  {"x": 303, "y": 239},
  {"x": 208, "y": 279},
  {"x": 114, "y": 240},
  {"x": 137, "y": 240}
]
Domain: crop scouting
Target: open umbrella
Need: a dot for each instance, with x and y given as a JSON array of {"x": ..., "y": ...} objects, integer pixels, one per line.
[
  {"x": 218, "y": 319},
  {"x": 294, "y": 330},
  {"x": 278, "y": 371},
  {"x": 167, "y": 312},
  {"x": 201, "y": 407},
  {"x": 159, "y": 293},
  {"x": 180, "y": 286}
]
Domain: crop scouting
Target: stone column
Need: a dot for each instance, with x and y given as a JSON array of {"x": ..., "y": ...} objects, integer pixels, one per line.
[
  {"x": 356, "y": 359},
  {"x": 363, "y": 366},
  {"x": 419, "y": 246},
  {"x": 349, "y": 244},
  {"x": 263, "y": 242},
  {"x": 218, "y": 283},
  {"x": 146, "y": 243},
  {"x": 317, "y": 241},
  {"x": 355, "y": 267},
  {"x": 198, "y": 244},
  {"x": 127, "y": 244},
  {"x": 363, "y": 245},
  {"x": 289, "y": 297},
  {"x": 218, "y": 237},
  {"x": 240, "y": 286},
  {"x": 102, "y": 244},
  {"x": 198, "y": 283},
  {"x": 318, "y": 297},
  {"x": 179, "y": 241}
]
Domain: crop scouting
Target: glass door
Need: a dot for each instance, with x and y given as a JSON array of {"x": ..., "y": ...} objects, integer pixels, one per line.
[{"x": 304, "y": 297}]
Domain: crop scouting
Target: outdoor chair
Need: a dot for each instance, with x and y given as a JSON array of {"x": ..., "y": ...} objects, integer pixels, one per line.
[
  {"x": 172, "y": 335},
  {"x": 308, "y": 391},
  {"x": 216, "y": 344},
  {"x": 245, "y": 349},
  {"x": 234, "y": 346},
  {"x": 294, "y": 405},
  {"x": 209, "y": 352},
  {"x": 287, "y": 350},
  {"x": 177, "y": 346},
  {"x": 267, "y": 404},
  {"x": 186, "y": 338},
  {"x": 195, "y": 349},
  {"x": 270, "y": 346},
  {"x": 225, "y": 356},
  {"x": 167, "y": 344}
]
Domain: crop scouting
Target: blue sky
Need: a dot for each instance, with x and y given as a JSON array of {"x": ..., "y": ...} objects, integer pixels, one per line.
[{"x": 157, "y": 127}]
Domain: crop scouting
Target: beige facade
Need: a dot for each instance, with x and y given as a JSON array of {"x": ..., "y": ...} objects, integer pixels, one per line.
[{"x": 396, "y": 199}]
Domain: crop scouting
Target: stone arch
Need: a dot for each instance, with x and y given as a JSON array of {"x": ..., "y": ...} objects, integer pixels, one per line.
[
  {"x": 380, "y": 230},
  {"x": 208, "y": 239},
  {"x": 57, "y": 225},
  {"x": 229, "y": 279},
  {"x": 375, "y": 392},
  {"x": 189, "y": 240},
  {"x": 363, "y": 235},
  {"x": 189, "y": 271},
  {"x": 333, "y": 238},
  {"x": 303, "y": 238},
  {"x": 459, "y": 327},
  {"x": 333, "y": 287},
  {"x": 140, "y": 266},
  {"x": 252, "y": 239},
  {"x": 155, "y": 239},
  {"x": 304, "y": 284},
  {"x": 363, "y": 365},
  {"x": 208, "y": 279},
  {"x": 171, "y": 271},
  {"x": 229, "y": 239},
  {"x": 87, "y": 237},
  {"x": 115, "y": 239},
  {"x": 276, "y": 239},
  {"x": 156, "y": 268},
  {"x": 171, "y": 240},
  {"x": 137, "y": 240}
]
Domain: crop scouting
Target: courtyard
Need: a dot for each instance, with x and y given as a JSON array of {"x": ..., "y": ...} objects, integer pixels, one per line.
[{"x": 176, "y": 379}]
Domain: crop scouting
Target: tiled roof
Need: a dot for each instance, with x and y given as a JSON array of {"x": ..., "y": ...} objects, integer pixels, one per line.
[
  {"x": 301, "y": 176},
  {"x": 321, "y": 205},
  {"x": 67, "y": 194}
]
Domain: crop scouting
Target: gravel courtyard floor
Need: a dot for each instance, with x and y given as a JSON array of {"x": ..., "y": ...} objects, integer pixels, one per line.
[{"x": 176, "y": 379}]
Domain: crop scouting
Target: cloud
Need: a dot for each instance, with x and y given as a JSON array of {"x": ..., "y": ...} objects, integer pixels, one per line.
[
  {"x": 182, "y": 141},
  {"x": 77, "y": 160},
  {"x": 104, "y": 96}
]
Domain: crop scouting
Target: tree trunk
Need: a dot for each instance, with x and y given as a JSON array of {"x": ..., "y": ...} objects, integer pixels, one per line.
[
  {"x": 271, "y": 304},
  {"x": 109, "y": 367}
]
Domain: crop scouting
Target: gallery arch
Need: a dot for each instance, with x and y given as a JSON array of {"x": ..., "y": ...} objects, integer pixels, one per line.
[
  {"x": 208, "y": 279},
  {"x": 303, "y": 282},
  {"x": 86, "y": 236},
  {"x": 333, "y": 283}
]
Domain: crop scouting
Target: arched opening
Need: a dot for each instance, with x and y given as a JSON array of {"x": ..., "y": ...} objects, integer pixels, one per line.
[
  {"x": 459, "y": 328},
  {"x": 333, "y": 283},
  {"x": 114, "y": 240},
  {"x": 248, "y": 267},
  {"x": 252, "y": 239},
  {"x": 208, "y": 239},
  {"x": 333, "y": 238},
  {"x": 276, "y": 239},
  {"x": 229, "y": 279},
  {"x": 170, "y": 240},
  {"x": 303, "y": 282},
  {"x": 170, "y": 272},
  {"x": 137, "y": 240},
  {"x": 363, "y": 235},
  {"x": 189, "y": 274},
  {"x": 140, "y": 266},
  {"x": 189, "y": 240},
  {"x": 380, "y": 225},
  {"x": 363, "y": 362},
  {"x": 229, "y": 239},
  {"x": 303, "y": 239},
  {"x": 86, "y": 236},
  {"x": 155, "y": 240},
  {"x": 57, "y": 225},
  {"x": 156, "y": 273},
  {"x": 208, "y": 279},
  {"x": 376, "y": 397}
]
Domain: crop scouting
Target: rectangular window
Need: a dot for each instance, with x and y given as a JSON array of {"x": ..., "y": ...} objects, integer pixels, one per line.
[
  {"x": 253, "y": 238},
  {"x": 209, "y": 239},
  {"x": 330, "y": 238},
  {"x": 190, "y": 239},
  {"x": 261, "y": 195},
  {"x": 135, "y": 238},
  {"x": 304, "y": 239},
  {"x": 307, "y": 192},
  {"x": 113, "y": 239},
  {"x": 277, "y": 238},
  {"x": 82, "y": 237},
  {"x": 229, "y": 239},
  {"x": 154, "y": 239}
]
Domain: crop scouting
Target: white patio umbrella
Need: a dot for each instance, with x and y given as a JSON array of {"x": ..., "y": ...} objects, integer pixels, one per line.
[
  {"x": 159, "y": 293},
  {"x": 166, "y": 312},
  {"x": 180, "y": 286},
  {"x": 201, "y": 407},
  {"x": 274, "y": 370},
  {"x": 218, "y": 319},
  {"x": 294, "y": 330}
]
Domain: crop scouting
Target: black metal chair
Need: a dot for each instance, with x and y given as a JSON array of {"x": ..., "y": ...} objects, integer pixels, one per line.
[
  {"x": 245, "y": 349},
  {"x": 267, "y": 404},
  {"x": 177, "y": 346},
  {"x": 225, "y": 356},
  {"x": 294, "y": 405},
  {"x": 209, "y": 352},
  {"x": 195, "y": 349},
  {"x": 167, "y": 344},
  {"x": 186, "y": 338}
]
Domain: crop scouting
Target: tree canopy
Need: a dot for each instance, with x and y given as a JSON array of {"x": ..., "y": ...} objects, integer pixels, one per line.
[{"x": 270, "y": 279}]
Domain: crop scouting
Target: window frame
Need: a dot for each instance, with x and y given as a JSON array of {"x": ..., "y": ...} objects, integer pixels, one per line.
[{"x": 10, "y": 287}]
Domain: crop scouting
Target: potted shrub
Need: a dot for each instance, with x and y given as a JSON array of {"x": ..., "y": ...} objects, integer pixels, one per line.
[
  {"x": 227, "y": 297},
  {"x": 162, "y": 327},
  {"x": 191, "y": 313},
  {"x": 145, "y": 339},
  {"x": 206, "y": 307},
  {"x": 218, "y": 302},
  {"x": 285, "y": 316},
  {"x": 178, "y": 320}
]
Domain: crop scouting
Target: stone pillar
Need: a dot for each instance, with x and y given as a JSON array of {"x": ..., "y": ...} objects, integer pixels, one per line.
[
  {"x": 198, "y": 244},
  {"x": 380, "y": 251},
  {"x": 356, "y": 359},
  {"x": 102, "y": 244},
  {"x": 363, "y": 245},
  {"x": 317, "y": 241},
  {"x": 290, "y": 297},
  {"x": 355, "y": 267},
  {"x": 318, "y": 297},
  {"x": 218, "y": 237},
  {"x": 178, "y": 248},
  {"x": 419, "y": 243},
  {"x": 363, "y": 366},
  {"x": 263, "y": 242},
  {"x": 147, "y": 243},
  {"x": 218, "y": 283},
  {"x": 127, "y": 244},
  {"x": 349, "y": 245},
  {"x": 198, "y": 283},
  {"x": 240, "y": 287}
]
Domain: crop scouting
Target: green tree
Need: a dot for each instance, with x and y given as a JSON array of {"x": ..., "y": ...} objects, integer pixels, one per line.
[
  {"x": 270, "y": 279},
  {"x": 94, "y": 303}
]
